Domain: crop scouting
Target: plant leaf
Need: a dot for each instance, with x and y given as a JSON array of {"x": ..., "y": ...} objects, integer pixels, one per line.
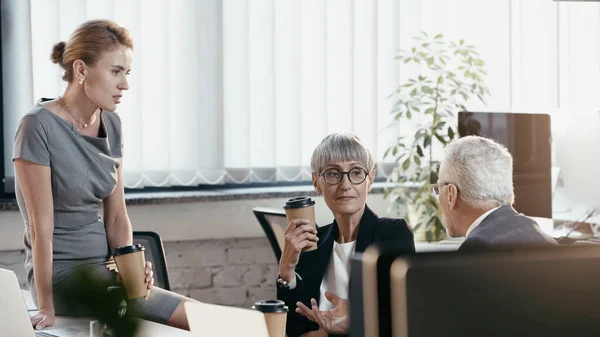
[
  {"x": 450, "y": 133},
  {"x": 419, "y": 150},
  {"x": 440, "y": 138},
  {"x": 406, "y": 164},
  {"x": 427, "y": 141},
  {"x": 427, "y": 89}
]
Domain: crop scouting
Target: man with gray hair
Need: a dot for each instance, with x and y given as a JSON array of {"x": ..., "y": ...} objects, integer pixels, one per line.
[{"x": 475, "y": 189}]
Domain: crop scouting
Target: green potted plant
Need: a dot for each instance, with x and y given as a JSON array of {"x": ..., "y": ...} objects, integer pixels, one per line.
[{"x": 449, "y": 75}]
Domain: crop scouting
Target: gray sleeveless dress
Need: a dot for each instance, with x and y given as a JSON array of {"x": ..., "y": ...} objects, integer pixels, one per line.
[{"x": 83, "y": 173}]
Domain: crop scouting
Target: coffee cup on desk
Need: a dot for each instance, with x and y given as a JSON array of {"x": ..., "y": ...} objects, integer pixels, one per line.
[
  {"x": 301, "y": 207},
  {"x": 131, "y": 263},
  {"x": 275, "y": 312}
]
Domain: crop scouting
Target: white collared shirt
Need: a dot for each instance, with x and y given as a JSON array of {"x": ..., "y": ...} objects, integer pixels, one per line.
[
  {"x": 478, "y": 221},
  {"x": 337, "y": 277}
]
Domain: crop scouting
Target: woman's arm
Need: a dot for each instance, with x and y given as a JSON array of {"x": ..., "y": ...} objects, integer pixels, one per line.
[
  {"x": 36, "y": 187},
  {"x": 118, "y": 225},
  {"x": 116, "y": 220}
]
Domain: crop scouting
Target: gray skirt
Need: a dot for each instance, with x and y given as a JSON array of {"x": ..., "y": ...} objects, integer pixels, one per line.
[{"x": 79, "y": 291}]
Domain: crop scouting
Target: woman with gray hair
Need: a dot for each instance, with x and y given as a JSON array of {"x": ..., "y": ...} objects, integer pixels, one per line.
[
  {"x": 314, "y": 284},
  {"x": 475, "y": 189}
]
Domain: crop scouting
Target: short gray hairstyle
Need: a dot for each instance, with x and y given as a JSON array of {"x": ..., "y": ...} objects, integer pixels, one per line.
[
  {"x": 341, "y": 147},
  {"x": 481, "y": 168}
]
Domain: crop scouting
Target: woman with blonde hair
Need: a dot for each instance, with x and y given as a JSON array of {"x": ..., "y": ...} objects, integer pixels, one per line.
[{"x": 68, "y": 157}]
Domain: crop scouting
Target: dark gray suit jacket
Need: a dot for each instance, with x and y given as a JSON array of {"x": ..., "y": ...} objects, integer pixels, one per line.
[{"x": 506, "y": 227}]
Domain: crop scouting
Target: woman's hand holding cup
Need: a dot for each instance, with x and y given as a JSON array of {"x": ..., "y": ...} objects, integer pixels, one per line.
[
  {"x": 299, "y": 235},
  {"x": 149, "y": 278}
]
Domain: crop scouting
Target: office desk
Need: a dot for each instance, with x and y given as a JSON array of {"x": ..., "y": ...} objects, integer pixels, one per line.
[{"x": 146, "y": 328}]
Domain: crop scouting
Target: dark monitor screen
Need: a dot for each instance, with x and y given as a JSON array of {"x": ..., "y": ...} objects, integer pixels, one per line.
[
  {"x": 524, "y": 292},
  {"x": 528, "y": 138}
]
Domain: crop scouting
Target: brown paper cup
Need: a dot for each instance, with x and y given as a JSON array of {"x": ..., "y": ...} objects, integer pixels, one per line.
[
  {"x": 275, "y": 315},
  {"x": 132, "y": 264},
  {"x": 301, "y": 207}
]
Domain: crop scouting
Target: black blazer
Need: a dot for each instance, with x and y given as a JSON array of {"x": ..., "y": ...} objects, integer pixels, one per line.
[
  {"x": 506, "y": 227},
  {"x": 313, "y": 265}
]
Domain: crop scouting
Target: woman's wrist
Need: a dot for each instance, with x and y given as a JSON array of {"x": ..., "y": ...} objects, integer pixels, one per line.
[
  {"x": 47, "y": 309},
  {"x": 287, "y": 275}
]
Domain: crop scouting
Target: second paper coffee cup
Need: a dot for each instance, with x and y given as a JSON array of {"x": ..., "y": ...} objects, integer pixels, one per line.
[
  {"x": 132, "y": 264},
  {"x": 301, "y": 207},
  {"x": 275, "y": 315}
]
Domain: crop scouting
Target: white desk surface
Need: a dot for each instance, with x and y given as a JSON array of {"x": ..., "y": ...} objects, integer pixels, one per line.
[{"x": 146, "y": 328}]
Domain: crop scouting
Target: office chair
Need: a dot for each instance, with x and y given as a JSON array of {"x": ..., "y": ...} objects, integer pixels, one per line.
[
  {"x": 155, "y": 253},
  {"x": 274, "y": 222}
]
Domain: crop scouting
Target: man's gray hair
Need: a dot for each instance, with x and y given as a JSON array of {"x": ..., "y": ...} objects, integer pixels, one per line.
[
  {"x": 338, "y": 148},
  {"x": 481, "y": 168}
]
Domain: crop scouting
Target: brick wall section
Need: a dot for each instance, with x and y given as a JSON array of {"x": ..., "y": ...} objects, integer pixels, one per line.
[{"x": 235, "y": 272}]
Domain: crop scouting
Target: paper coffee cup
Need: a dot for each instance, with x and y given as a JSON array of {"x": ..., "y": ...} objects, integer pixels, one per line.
[
  {"x": 275, "y": 315},
  {"x": 301, "y": 207},
  {"x": 132, "y": 264}
]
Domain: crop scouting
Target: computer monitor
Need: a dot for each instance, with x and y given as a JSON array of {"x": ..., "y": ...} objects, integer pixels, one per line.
[
  {"x": 577, "y": 155},
  {"x": 520, "y": 292},
  {"x": 528, "y": 138}
]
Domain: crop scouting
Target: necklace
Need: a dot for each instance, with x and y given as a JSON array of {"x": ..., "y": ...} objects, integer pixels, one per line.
[{"x": 83, "y": 125}]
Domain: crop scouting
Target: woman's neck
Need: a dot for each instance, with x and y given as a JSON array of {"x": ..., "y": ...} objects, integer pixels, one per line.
[
  {"x": 348, "y": 225},
  {"x": 78, "y": 103}
]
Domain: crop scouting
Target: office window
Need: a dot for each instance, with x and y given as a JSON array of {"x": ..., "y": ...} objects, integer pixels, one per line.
[{"x": 241, "y": 91}]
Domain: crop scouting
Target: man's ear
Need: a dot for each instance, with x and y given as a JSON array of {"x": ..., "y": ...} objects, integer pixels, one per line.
[
  {"x": 452, "y": 196},
  {"x": 315, "y": 180}
]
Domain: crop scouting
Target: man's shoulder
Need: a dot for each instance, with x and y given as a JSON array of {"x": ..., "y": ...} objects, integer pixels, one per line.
[{"x": 510, "y": 229}]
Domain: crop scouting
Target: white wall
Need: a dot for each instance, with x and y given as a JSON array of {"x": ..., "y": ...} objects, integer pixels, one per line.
[{"x": 191, "y": 221}]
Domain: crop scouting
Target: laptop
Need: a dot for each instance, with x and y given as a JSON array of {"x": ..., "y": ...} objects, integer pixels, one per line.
[
  {"x": 14, "y": 318},
  {"x": 217, "y": 320}
]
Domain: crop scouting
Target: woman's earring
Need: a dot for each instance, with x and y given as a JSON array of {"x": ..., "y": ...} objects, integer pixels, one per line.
[{"x": 81, "y": 80}]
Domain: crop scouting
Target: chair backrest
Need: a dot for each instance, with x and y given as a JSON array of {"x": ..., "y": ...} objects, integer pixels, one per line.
[
  {"x": 154, "y": 253},
  {"x": 274, "y": 222}
]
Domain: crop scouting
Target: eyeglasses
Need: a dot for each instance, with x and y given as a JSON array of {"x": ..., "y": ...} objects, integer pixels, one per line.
[
  {"x": 333, "y": 176},
  {"x": 435, "y": 188}
]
